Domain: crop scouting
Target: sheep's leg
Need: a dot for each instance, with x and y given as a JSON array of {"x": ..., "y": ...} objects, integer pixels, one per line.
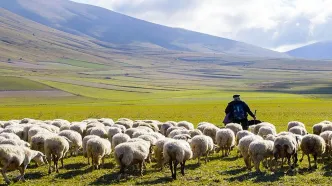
[
  {"x": 247, "y": 162},
  {"x": 103, "y": 162},
  {"x": 295, "y": 160},
  {"x": 171, "y": 167},
  {"x": 56, "y": 161},
  {"x": 21, "y": 176},
  {"x": 175, "y": 165},
  {"x": 302, "y": 157},
  {"x": 141, "y": 168},
  {"x": 62, "y": 166},
  {"x": 182, "y": 167},
  {"x": 199, "y": 159},
  {"x": 315, "y": 159},
  {"x": 309, "y": 161},
  {"x": 50, "y": 164},
  {"x": 3, "y": 172},
  {"x": 88, "y": 160},
  {"x": 257, "y": 163},
  {"x": 206, "y": 157},
  {"x": 282, "y": 162}
]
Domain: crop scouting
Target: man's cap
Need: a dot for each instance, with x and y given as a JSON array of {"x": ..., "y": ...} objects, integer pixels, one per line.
[{"x": 236, "y": 96}]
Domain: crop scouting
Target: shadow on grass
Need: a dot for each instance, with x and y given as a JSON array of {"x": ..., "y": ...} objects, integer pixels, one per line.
[
  {"x": 161, "y": 180},
  {"x": 219, "y": 157},
  {"x": 74, "y": 166},
  {"x": 73, "y": 173},
  {"x": 106, "y": 179},
  {"x": 33, "y": 175},
  {"x": 257, "y": 177},
  {"x": 234, "y": 171}
]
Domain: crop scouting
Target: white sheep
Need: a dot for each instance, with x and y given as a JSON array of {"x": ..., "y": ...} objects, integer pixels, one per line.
[
  {"x": 185, "y": 137},
  {"x": 295, "y": 123},
  {"x": 158, "y": 151},
  {"x": 170, "y": 129},
  {"x": 79, "y": 127},
  {"x": 177, "y": 132},
  {"x": 10, "y": 136},
  {"x": 286, "y": 146},
  {"x": 75, "y": 138},
  {"x": 112, "y": 131},
  {"x": 234, "y": 127},
  {"x": 312, "y": 144},
  {"x": 298, "y": 130},
  {"x": 175, "y": 152},
  {"x": 317, "y": 128},
  {"x": 130, "y": 153},
  {"x": 270, "y": 137},
  {"x": 241, "y": 134},
  {"x": 38, "y": 141},
  {"x": 225, "y": 139},
  {"x": 186, "y": 124},
  {"x": 84, "y": 142},
  {"x": 15, "y": 142},
  {"x": 266, "y": 130},
  {"x": 101, "y": 132},
  {"x": 97, "y": 149},
  {"x": 201, "y": 145},
  {"x": 256, "y": 128},
  {"x": 16, "y": 157},
  {"x": 56, "y": 148},
  {"x": 164, "y": 128},
  {"x": 201, "y": 126},
  {"x": 118, "y": 139},
  {"x": 260, "y": 150},
  {"x": 211, "y": 131},
  {"x": 126, "y": 123},
  {"x": 195, "y": 132},
  {"x": 244, "y": 148},
  {"x": 130, "y": 132},
  {"x": 35, "y": 130}
]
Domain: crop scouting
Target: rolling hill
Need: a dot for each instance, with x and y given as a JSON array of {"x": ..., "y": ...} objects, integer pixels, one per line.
[
  {"x": 319, "y": 50},
  {"x": 115, "y": 28}
]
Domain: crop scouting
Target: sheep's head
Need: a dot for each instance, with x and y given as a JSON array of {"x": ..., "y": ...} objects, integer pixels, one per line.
[{"x": 40, "y": 158}]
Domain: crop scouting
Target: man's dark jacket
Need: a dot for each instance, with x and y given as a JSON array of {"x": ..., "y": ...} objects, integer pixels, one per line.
[{"x": 229, "y": 109}]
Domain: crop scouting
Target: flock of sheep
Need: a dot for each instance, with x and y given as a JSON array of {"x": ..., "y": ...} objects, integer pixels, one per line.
[{"x": 134, "y": 143}]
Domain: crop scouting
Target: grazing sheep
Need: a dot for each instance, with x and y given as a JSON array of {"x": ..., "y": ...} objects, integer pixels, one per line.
[
  {"x": 225, "y": 140},
  {"x": 242, "y": 134},
  {"x": 317, "y": 128},
  {"x": 164, "y": 128},
  {"x": 177, "y": 132},
  {"x": 79, "y": 127},
  {"x": 17, "y": 158},
  {"x": 244, "y": 148},
  {"x": 15, "y": 142},
  {"x": 75, "y": 138},
  {"x": 234, "y": 127},
  {"x": 35, "y": 130},
  {"x": 312, "y": 144},
  {"x": 186, "y": 124},
  {"x": 38, "y": 141},
  {"x": 19, "y": 131},
  {"x": 112, "y": 131},
  {"x": 175, "y": 152},
  {"x": 56, "y": 148},
  {"x": 158, "y": 151},
  {"x": 170, "y": 129},
  {"x": 156, "y": 135},
  {"x": 101, "y": 132},
  {"x": 201, "y": 126},
  {"x": 130, "y": 153},
  {"x": 260, "y": 150},
  {"x": 298, "y": 130},
  {"x": 130, "y": 132},
  {"x": 270, "y": 137},
  {"x": 326, "y": 135},
  {"x": 152, "y": 140},
  {"x": 327, "y": 127},
  {"x": 97, "y": 149},
  {"x": 286, "y": 146},
  {"x": 201, "y": 145},
  {"x": 211, "y": 131},
  {"x": 266, "y": 130},
  {"x": 84, "y": 142},
  {"x": 258, "y": 126},
  {"x": 123, "y": 128},
  {"x": 10, "y": 136},
  {"x": 195, "y": 132},
  {"x": 126, "y": 123},
  {"x": 292, "y": 124},
  {"x": 185, "y": 137},
  {"x": 118, "y": 139}
]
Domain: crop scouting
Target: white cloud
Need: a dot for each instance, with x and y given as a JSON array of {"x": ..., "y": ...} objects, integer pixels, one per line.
[{"x": 276, "y": 24}]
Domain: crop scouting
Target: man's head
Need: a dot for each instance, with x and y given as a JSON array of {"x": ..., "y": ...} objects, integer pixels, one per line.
[{"x": 236, "y": 97}]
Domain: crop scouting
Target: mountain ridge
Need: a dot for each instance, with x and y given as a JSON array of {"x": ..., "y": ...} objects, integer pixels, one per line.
[{"x": 109, "y": 26}]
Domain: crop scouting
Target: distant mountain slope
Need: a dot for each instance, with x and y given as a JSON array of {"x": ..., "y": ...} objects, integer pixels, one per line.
[
  {"x": 320, "y": 50},
  {"x": 109, "y": 26}
]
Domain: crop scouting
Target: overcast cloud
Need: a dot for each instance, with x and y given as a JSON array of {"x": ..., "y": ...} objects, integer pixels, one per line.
[{"x": 276, "y": 24}]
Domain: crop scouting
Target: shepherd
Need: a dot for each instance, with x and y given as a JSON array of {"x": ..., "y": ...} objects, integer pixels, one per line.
[{"x": 237, "y": 112}]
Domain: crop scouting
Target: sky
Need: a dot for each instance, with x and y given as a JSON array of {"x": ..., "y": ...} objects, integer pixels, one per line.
[{"x": 279, "y": 25}]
